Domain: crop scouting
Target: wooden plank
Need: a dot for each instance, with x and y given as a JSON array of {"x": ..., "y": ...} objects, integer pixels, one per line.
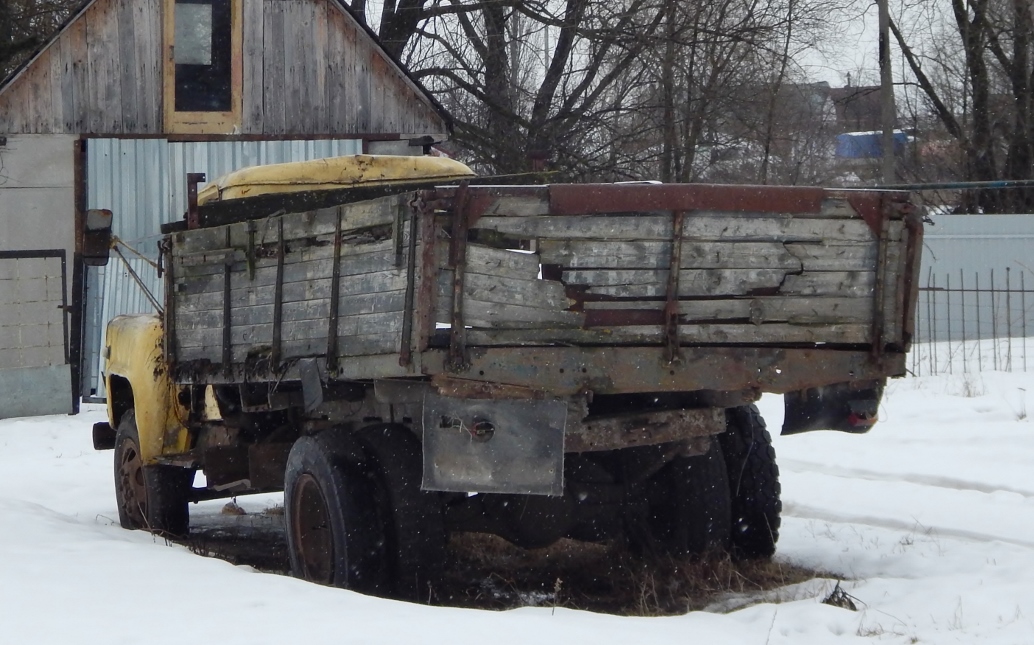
[
  {"x": 338, "y": 90},
  {"x": 309, "y": 224},
  {"x": 364, "y": 345},
  {"x": 253, "y": 31},
  {"x": 311, "y": 309},
  {"x": 530, "y": 202},
  {"x": 260, "y": 334},
  {"x": 372, "y": 273},
  {"x": 837, "y": 207},
  {"x": 835, "y": 257},
  {"x": 129, "y": 68},
  {"x": 634, "y": 283},
  {"x": 656, "y": 254},
  {"x": 149, "y": 57},
  {"x": 542, "y": 294},
  {"x": 294, "y": 69},
  {"x": 76, "y": 54},
  {"x": 477, "y": 313},
  {"x": 55, "y": 78},
  {"x": 63, "y": 86},
  {"x": 699, "y": 227},
  {"x": 763, "y": 309},
  {"x": 854, "y": 284},
  {"x": 105, "y": 88},
  {"x": 492, "y": 261},
  {"x": 377, "y": 255},
  {"x": 317, "y": 60},
  {"x": 273, "y": 79},
  {"x": 724, "y": 334},
  {"x": 242, "y": 299},
  {"x": 303, "y": 290},
  {"x": 362, "y": 114}
]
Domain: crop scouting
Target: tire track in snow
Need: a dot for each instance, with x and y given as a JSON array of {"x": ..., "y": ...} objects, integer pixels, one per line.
[
  {"x": 950, "y": 483},
  {"x": 806, "y": 512}
]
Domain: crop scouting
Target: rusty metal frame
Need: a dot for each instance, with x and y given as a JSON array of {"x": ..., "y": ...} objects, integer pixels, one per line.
[
  {"x": 458, "y": 263},
  {"x": 590, "y": 199},
  {"x": 643, "y": 429},
  {"x": 566, "y": 371},
  {"x": 193, "y": 179},
  {"x": 227, "y": 309},
  {"x": 878, "y": 306},
  {"x": 424, "y": 206},
  {"x": 406, "y": 350},
  {"x": 910, "y": 280},
  {"x": 671, "y": 305},
  {"x": 278, "y": 297},
  {"x": 335, "y": 298}
]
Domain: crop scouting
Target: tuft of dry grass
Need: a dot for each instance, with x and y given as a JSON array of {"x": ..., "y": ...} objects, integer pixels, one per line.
[{"x": 486, "y": 572}]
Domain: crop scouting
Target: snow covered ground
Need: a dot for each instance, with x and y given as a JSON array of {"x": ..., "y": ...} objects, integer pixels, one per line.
[{"x": 930, "y": 518}]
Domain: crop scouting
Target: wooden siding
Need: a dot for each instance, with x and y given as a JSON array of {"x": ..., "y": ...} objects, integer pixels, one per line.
[
  {"x": 338, "y": 82},
  {"x": 308, "y": 69},
  {"x": 100, "y": 76}
]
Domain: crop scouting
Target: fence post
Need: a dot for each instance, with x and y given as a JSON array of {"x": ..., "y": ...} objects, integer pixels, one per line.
[
  {"x": 980, "y": 331},
  {"x": 962, "y": 297},
  {"x": 947, "y": 306},
  {"x": 1008, "y": 320},
  {"x": 994, "y": 324},
  {"x": 1023, "y": 308}
]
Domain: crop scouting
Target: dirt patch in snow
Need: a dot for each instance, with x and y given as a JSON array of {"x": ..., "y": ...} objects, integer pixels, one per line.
[{"x": 486, "y": 572}]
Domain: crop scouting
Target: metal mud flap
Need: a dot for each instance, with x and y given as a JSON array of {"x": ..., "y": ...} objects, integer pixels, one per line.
[{"x": 494, "y": 446}]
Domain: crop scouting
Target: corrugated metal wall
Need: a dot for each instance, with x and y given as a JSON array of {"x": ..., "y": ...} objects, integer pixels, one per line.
[
  {"x": 143, "y": 181},
  {"x": 961, "y": 252}
]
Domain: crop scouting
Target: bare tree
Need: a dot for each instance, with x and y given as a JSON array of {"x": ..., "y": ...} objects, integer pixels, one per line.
[
  {"x": 27, "y": 24},
  {"x": 976, "y": 76}
]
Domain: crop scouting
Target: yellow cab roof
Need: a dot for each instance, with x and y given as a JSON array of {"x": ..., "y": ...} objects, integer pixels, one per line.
[{"x": 335, "y": 173}]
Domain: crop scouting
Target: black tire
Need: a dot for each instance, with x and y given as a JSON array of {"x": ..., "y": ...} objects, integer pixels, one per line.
[
  {"x": 334, "y": 536},
  {"x": 153, "y": 498},
  {"x": 690, "y": 508},
  {"x": 753, "y": 482},
  {"x": 413, "y": 519}
]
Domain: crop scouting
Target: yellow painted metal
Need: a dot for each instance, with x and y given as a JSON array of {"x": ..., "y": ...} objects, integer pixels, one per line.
[
  {"x": 133, "y": 347},
  {"x": 335, "y": 173}
]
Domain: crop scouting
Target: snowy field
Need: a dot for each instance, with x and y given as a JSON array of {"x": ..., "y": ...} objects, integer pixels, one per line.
[{"x": 929, "y": 519}]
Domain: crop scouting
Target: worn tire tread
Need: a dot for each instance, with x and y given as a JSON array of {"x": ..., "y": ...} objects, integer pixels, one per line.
[{"x": 753, "y": 483}]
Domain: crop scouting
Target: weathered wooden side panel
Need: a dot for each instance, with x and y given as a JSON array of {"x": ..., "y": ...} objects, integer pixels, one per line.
[
  {"x": 274, "y": 278},
  {"x": 745, "y": 278},
  {"x": 254, "y": 290}
]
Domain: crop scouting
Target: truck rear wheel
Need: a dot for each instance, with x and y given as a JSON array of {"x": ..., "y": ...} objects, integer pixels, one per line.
[
  {"x": 412, "y": 518},
  {"x": 150, "y": 497},
  {"x": 689, "y": 513},
  {"x": 333, "y": 533},
  {"x": 753, "y": 481}
]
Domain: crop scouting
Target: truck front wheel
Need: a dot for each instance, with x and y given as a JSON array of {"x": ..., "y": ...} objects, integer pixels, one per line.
[
  {"x": 753, "y": 482},
  {"x": 153, "y": 498}
]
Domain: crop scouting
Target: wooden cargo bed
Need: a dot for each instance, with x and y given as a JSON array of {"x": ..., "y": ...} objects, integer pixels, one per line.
[{"x": 652, "y": 266}]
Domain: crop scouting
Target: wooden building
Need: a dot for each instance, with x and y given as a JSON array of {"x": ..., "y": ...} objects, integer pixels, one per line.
[{"x": 128, "y": 97}]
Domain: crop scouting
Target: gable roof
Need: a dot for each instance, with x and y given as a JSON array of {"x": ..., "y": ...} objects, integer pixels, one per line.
[{"x": 399, "y": 67}]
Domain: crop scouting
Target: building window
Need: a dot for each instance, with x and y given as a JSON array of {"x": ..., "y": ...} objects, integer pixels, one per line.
[{"x": 203, "y": 76}]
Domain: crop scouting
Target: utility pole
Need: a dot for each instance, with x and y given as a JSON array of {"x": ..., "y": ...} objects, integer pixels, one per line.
[{"x": 887, "y": 112}]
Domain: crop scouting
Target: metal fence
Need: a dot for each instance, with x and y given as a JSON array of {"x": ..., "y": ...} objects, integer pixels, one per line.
[{"x": 970, "y": 322}]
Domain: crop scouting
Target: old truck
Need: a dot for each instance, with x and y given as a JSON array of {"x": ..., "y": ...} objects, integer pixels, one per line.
[{"x": 408, "y": 353}]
